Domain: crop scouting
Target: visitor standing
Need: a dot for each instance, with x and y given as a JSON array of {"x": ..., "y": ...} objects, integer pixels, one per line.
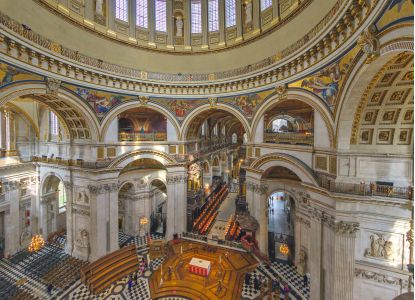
[
  {"x": 49, "y": 289},
  {"x": 130, "y": 283},
  {"x": 256, "y": 284}
]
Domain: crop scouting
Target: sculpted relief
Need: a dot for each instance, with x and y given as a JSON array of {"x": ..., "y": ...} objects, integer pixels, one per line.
[{"x": 379, "y": 247}]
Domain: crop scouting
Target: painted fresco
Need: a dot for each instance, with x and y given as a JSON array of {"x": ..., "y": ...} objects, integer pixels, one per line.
[
  {"x": 102, "y": 102},
  {"x": 327, "y": 82},
  {"x": 179, "y": 108},
  {"x": 10, "y": 74},
  {"x": 247, "y": 104},
  {"x": 396, "y": 10}
]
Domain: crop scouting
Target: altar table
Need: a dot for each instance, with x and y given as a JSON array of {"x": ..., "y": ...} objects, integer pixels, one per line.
[{"x": 199, "y": 266}]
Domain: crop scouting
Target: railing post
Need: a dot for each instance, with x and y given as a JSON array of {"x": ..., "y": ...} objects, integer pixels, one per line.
[
  {"x": 410, "y": 192},
  {"x": 372, "y": 188}
]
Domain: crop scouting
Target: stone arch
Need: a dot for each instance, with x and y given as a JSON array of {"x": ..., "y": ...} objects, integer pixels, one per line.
[
  {"x": 131, "y": 156},
  {"x": 46, "y": 177},
  {"x": 129, "y": 105},
  {"x": 304, "y": 96},
  {"x": 357, "y": 82},
  {"x": 303, "y": 172},
  {"x": 77, "y": 117},
  {"x": 219, "y": 106},
  {"x": 124, "y": 183}
]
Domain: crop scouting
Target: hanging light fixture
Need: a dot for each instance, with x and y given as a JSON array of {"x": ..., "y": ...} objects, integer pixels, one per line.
[
  {"x": 284, "y": 249},
  {"x": 36, "y": 244}
]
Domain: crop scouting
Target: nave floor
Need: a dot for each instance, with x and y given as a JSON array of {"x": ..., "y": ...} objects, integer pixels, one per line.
[{"x": 34, "y": 287}]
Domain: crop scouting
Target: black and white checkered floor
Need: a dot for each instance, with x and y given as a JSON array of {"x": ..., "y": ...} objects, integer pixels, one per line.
[{"x": 119, "y": 290}]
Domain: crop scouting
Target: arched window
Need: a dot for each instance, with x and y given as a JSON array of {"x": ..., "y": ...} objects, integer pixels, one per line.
[
  {"x": 234, "y": 138},
  {"x": 61, "y": 197},
  {"x": 265, "y": 4},
  {"x": 54, "y": 124},
  {"x": 161, "y": 12},
  {"x": 142, "y": 13},
  {"x": 230, "y": 13},
  {"x": 213, "y": 15},
  {"x": 196, "y": 9},
  {"x": 121, "y": 10}
]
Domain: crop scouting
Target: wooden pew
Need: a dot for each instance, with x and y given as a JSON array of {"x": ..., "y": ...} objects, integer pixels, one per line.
[{"x": 103, "y": 272}]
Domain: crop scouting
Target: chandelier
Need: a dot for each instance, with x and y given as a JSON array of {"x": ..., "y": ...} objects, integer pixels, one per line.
[
  {"x": 36, "y": 244},
  {"x": 284, "y": 249}
]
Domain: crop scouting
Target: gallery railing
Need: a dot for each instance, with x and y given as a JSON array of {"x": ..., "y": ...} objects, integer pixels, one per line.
[
  {"x": 367, "y": 189},
  {"x": 293, "y": 138},
  {"x": 141, "y": 137},
  {"x": 203, "y": 238}
]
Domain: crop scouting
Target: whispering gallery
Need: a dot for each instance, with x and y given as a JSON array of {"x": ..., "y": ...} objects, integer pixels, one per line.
[{"x": 206, "y": 149}]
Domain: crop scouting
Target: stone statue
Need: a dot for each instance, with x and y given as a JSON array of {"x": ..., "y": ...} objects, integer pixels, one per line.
[
  {"x": 369, "y": 43},
  {"x": 248, "y": 12},
  {"x": 302, "y": 260},
  {"x": 99, "y": 7},
  {"x": 83, "y": 197},
  {"x": 179, "y": 27},
  {"x": 83, "y": 238}
]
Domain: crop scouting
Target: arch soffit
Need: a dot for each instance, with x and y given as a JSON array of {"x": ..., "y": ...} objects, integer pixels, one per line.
[
  {"x": 303, "y": 172},
  {"x": 131, "y": 156},
  {"x": 219, "y": 106},
  {"x": 275, "y": 188},
  {"x": 301, "y": 95},
  {"x": 354, "y": 86},
  {"x": 129, "y": 105},
  {"x": 26, "y": 117},
  {"x": 40, "y": 88}
]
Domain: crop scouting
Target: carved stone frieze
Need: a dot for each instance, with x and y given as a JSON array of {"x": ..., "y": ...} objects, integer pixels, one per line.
[
  {"x": 257, "y": 188},
  {"x": 103, "y": 188},
  {"x": 173, "y": 179},
  {"x": 143, "y": 100},
  {"x": 11, "y": 185},
  {"x": 369, "y": 44},
  {"x": 213, "y": 102},
  {"x": 52, "y": 86},
  {"x": 378, "y": 277},
  {"x": 303, "y": 220},
  {"x": 379, "y": 247}
]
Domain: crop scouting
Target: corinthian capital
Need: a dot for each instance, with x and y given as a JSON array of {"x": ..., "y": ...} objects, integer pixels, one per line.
[{"x": 346, "y": 228}]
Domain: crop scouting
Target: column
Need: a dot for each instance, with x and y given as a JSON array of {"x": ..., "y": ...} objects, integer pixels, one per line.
[
  {"x": 344, "y": 260},
  {"x": 187, "y": 26},
  {"x": 111, "y": 14},
  {"x": 239, "y": 25},
  {"x": 256, "y": 197},
  {"x": 69, "y": 216},
  {"x": 205, "y": 24},
  {"x": 176, "y": 201},
  {"x": 2, "y": 132},
  {"x": 275, "y": 11},
  {"x": 222, "y": 29},
  {"x": 256, "y": 17},
  {"x": 132, "y": 17},
  {"x": 10, "y": 133},
  {"x": 314, "y": 259},
  {"x": 12, "y": 217},
  {"x": 170, "y": 25},
  {"x": 152, "y": 22},
  {"x": 103, "y": 231},
  {"x": 89, "y": 10}
]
